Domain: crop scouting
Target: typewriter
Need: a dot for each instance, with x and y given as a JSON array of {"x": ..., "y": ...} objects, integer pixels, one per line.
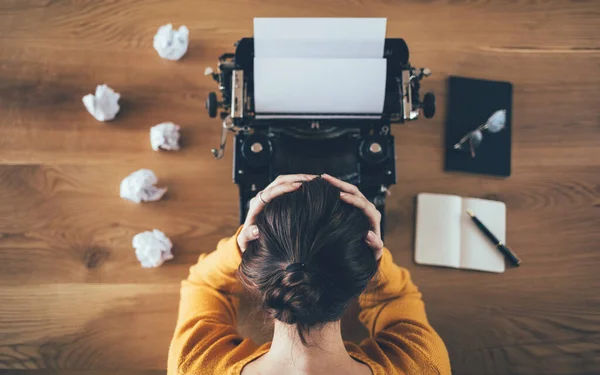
[{"x": 357, "y": 149}]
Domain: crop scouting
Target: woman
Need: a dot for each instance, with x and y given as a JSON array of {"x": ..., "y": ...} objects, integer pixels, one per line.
[{"x": 308, "y": 247}]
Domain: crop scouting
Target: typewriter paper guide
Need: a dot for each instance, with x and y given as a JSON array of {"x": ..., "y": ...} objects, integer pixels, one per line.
[{"x": 319, "y": 67}]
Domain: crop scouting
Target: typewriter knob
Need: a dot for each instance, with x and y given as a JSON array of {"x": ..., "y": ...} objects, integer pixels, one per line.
[
  {"x": 257, "y": 150},
  {"x": 373, "y": 150},
  {"x": 429, "y": 105},
  {"x": 256, "y": 147},
  {"x": 212, "y": 104}
]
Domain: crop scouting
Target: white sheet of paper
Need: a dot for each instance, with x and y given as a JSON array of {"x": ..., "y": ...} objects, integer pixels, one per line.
[
  {"x": 319, "y": 37},
  {"x": 301, "y": 85}
]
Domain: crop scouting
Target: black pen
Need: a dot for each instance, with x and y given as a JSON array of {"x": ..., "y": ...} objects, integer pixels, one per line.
[{"x": 514, "y": 259}]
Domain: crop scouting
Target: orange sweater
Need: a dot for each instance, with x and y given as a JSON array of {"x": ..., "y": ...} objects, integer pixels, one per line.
[{"x": 206, "y": 340}]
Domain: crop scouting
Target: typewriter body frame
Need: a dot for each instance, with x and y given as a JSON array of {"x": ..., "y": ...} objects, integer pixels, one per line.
[{"x": 356, "y": 148}]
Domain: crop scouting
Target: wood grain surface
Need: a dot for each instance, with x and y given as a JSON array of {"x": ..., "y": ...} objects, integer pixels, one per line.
[{"x": 74, "y": 298}]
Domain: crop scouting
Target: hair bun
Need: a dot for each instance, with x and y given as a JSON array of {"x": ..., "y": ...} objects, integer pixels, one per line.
[
  {"x": 293, "y": 299},
  {"x": 295, "y": 267}
]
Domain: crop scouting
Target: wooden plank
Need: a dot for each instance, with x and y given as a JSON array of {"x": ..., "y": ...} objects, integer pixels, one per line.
[
  {"x": 87, "y": 228},
  {"x": 74, "y": 21},
  {"x": 81, "y": 326},
  {"x": 42, "y": 90},
  {"x": 68, "y": 224},
  {"x": 46, "y": 121}
]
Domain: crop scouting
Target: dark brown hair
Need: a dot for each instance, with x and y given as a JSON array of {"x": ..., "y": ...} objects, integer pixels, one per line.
[{"x": 310, "y": 259}]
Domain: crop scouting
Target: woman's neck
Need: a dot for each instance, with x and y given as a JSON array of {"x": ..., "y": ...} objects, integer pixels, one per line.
[
  {"x": 324, "y": 354},
  {"x": 325, "y": 346}
]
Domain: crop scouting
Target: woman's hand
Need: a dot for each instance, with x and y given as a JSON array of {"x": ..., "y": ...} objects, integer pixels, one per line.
[
  {"x": 351, "y": 194},
  {"x": 281, "y": 185}
]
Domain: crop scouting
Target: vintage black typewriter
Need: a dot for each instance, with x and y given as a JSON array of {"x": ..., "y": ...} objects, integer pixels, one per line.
[{"x": 354, "y": 148}]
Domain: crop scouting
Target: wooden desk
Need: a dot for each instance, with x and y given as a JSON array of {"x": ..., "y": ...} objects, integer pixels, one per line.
[{"x": 72, "y": 294}]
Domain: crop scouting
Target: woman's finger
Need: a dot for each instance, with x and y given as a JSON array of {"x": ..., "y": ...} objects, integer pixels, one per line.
[
  {"x": 375, "y": 243},
  {"x": 289, "y": 178},
  {"x": 344, "y": 186},
  {"x": 258, "y": 202},
  {"x": 357, "y": 201},
  {"x": 247, "y": 234},
  {"x": 353, "y": 195},
  {"x": 277, "y": 190},
  {"x": 367, "y": 207},
  {"x": 373, "y": 239}
]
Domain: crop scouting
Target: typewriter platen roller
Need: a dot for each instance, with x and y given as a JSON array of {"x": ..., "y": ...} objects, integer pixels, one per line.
[{"x": 357, "y": 148}]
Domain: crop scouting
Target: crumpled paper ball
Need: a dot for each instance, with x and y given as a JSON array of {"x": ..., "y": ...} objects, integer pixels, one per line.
[
  {"x": 104, "y": 105},
  {"x": 152, "y": 248},
  {"x": 139, "y": 187},
  {"x": 164, "y": 136},
  {"x": 171, "y": 44}
]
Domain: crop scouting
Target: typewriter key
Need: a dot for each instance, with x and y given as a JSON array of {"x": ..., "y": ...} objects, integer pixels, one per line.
[
  {"x": 256, "y": 147},
  {"x": 373, "y": 150},
  {"x": 257, "y": 150}
]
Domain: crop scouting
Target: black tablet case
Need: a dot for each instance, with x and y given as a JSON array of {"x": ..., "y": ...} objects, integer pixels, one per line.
[{"x": 470, "y": 103}]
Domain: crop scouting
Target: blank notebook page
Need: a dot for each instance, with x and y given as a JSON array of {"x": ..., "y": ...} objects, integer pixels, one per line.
[
  {"x": 477, "y": 251},
  {"x": 437, "y": 241}
]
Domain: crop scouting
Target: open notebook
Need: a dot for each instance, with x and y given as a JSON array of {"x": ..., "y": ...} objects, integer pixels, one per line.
[{"x": 446, "y": 236}]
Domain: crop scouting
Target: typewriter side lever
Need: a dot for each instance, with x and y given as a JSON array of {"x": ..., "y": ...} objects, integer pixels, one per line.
[
  {"x": 223, "y": 78},
  {"x": 227, "y": 126}
]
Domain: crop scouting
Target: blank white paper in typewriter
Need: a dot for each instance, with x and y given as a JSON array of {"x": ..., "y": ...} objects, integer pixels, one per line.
[{"x": 319, "y": 67}]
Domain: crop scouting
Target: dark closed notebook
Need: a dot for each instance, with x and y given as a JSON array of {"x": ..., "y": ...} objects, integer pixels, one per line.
[{"x": 470, "y": 103}]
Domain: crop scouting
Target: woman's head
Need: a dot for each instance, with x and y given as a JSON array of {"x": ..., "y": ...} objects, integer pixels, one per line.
[{"x": 310, "y": 259}]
